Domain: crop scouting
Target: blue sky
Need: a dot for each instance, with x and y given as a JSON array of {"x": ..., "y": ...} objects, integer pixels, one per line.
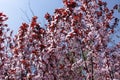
[
  {"x": 15, "y": 9},
  {"x": 111, "y": 3}
]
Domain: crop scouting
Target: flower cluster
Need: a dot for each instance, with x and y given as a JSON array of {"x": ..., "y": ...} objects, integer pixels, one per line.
[{"x": 74, "y": 45}]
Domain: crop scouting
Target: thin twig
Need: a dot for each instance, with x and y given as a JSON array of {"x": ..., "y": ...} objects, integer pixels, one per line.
[
  {"x": 25, "y": 14},
  {"x": 29, "y": 5},
  {"x": 92, "y": 68}
]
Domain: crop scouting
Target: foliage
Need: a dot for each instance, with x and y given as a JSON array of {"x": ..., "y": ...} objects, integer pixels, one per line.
[{"x": 74, "y": 45}]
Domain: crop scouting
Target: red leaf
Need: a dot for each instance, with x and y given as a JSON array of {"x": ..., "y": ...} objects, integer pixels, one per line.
[
  {"x": 115, "y": 7},
  {"x": 35, "y": 36},
  {"x": 1, "y": 33},
  {"x": 47, "y": 16},
  {"x": 64, "y": 13},
  {"x": 76, "y": 17},
  {"x": 42, "y": 31},
  {"x": 109, "y": 16},
  {"x": 12, "y": 71},
  {"x": 71, "y": 0},
  {"x": 106, "y": 24},
  {"x": 25, "y": 62},
  {"x": 80, "y": 15},
  {"x": 100, "y": 3},
  {"x": 42, "y": 47},
  {"x": 35, "y": 52},
  {"x": 33, "y": 24},
  {"x": 15, "y": 51},
  {"x": 61, "y": 66},
  {"x": 1, "y": 65},
  {"x": 105, "y": 4},
  {"x": 72, "y": 4},
  {"x": 34, "y": 18},
  {"x": 99, "y": 13},
  {"x": 34, "y": 21},
  {"x": 24, "y": 26},
  {"x": 83, "y": 8},
  {"x": 112, "y": 30},
  {"x": 1, "y": 14},
  {"x": 106, "y": 10},
  {"x": 65, "y": 2}
]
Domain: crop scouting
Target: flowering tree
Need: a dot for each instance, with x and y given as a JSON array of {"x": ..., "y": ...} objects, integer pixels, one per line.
[{"x": 74, "y": 45}]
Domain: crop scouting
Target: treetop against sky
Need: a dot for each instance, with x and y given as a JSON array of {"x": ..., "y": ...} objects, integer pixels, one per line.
[
  {"x": 73, "y": 46},
  {"x": 16, "y": 10}
]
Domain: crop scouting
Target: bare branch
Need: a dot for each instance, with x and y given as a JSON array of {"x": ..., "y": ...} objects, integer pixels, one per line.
[{"x": 25, "y": 15}]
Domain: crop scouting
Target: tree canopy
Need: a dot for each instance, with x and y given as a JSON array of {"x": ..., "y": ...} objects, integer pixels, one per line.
[{"x": 74, "y": 45}]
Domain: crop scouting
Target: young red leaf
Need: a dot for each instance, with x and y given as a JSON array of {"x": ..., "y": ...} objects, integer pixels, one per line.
[{"x": 115, "y": 7}]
